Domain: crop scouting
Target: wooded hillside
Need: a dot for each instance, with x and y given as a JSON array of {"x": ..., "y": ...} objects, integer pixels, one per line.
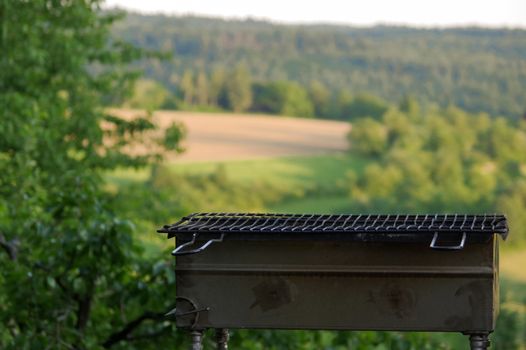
[{"x": 473, "y": 68}]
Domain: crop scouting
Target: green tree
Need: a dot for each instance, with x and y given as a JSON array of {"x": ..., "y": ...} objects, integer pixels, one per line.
[
  {"x": 296, "y": 102},
  {"x": 410, "y": 106},
  {"x": 238, "y": 89},
  {"x": 148, "y": 94},
  {"x": 201, "y": 89},
  {"x": 343, "y": 98},
  {"x": 71, "y": 275},
  {"x": 267, "y": 98},
  {"x": 320, "y": 97},
  {"x": 513, "y": 203},
  {"x": 217, "y": 86},
  {"x": 442, "y": 161},
  {"x": 281, "y": 97},
  {"x": 188, "y": 87},
  {"x": 364, "y": 106},
  {"x": 368, "y": 137}
]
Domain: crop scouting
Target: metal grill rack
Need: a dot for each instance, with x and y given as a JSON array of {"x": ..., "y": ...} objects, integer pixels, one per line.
[{"x": 359, "y": 223}]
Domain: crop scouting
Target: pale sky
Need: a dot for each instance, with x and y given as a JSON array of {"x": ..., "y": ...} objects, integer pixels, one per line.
[{"x": 509, "y": 13}]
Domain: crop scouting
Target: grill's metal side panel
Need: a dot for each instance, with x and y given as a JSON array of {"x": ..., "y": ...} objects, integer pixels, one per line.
[
  {"x": 340, "y": 285},
  {"x": 284, "y": 303}
]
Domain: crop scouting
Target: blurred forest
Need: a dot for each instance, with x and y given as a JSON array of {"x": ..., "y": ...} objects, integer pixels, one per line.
[
  {"x": 476, "y": 69},
  {"x": 81, "y": 266}
]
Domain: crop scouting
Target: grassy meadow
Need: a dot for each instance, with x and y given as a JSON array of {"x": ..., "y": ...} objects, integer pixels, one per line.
[
  {"x": 317, "y": 181},
  {"x": 294, "y": 184}
]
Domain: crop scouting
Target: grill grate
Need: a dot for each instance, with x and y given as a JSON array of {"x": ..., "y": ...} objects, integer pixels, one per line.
[{"x": 357, "y": 223}]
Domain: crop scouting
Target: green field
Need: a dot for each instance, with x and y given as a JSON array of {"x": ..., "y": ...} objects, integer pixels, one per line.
[
  {"x": 317, "y": 184},
  {"x": 290, "y": 184},
  {"x": 337, "y": 204},
  {"x": 299, "y": 184},
  {"x": 288, "y": 173}
]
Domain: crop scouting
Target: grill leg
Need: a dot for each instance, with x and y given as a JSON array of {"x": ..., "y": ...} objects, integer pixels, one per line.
[
  {"x": 479, "y": 341},
  {"x": 197, "y": 340},
  {"x": 222, "y": 339}
]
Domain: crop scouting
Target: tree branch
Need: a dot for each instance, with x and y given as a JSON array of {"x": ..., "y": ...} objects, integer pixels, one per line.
[
  {"x": 83, "y": 311},
  {"x": 124, "y": 333},
  {"x": 58, "y": 281},
  {"x": 149, "y": 335},
  {"x": 10, "y": 247}
]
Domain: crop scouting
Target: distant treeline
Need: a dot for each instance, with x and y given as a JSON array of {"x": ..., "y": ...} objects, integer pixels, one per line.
[
  {"x": 479, "y": 70},
  {"x": 234, "y": 90}
]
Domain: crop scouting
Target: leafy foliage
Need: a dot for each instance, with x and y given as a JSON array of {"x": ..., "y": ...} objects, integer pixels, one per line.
[
  {"x": 234, "y": 90},
  {"x": 237, "y": 89},
  {"x": 441, "y": 161},
  {"x": 285, "y": 98},
  {"x": 71, "y": 276},
  {"x": 148, "y": 94},
  {"x": 369, "y": 137},
  {"x": 364, "y": 106}
]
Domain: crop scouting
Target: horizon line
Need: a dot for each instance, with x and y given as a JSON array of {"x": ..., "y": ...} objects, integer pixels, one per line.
[{"x": 269, "y": 20}]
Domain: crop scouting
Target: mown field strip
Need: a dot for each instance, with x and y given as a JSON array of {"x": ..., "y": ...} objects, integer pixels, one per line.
[{"x": 215, "y": 136}]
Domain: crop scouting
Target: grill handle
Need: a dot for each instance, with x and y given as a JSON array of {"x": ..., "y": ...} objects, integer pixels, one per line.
[
  {"x": 195, "y": 310},
  {"x": 181, "y": 249},
  {"x": 460, "y": 246}
]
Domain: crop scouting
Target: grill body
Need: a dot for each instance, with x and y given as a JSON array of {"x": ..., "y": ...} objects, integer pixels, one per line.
[
  {"x": 402, "y": 273},
  {"x": 345, "y": 285}
]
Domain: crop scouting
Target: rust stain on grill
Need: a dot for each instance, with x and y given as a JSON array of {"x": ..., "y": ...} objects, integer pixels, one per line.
[
  {"x": 272, "y": 294},
  {"x": 394, "y": 300}
]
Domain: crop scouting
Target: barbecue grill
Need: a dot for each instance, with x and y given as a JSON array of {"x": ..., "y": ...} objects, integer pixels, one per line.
[{"x": 337, "y": 272}]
